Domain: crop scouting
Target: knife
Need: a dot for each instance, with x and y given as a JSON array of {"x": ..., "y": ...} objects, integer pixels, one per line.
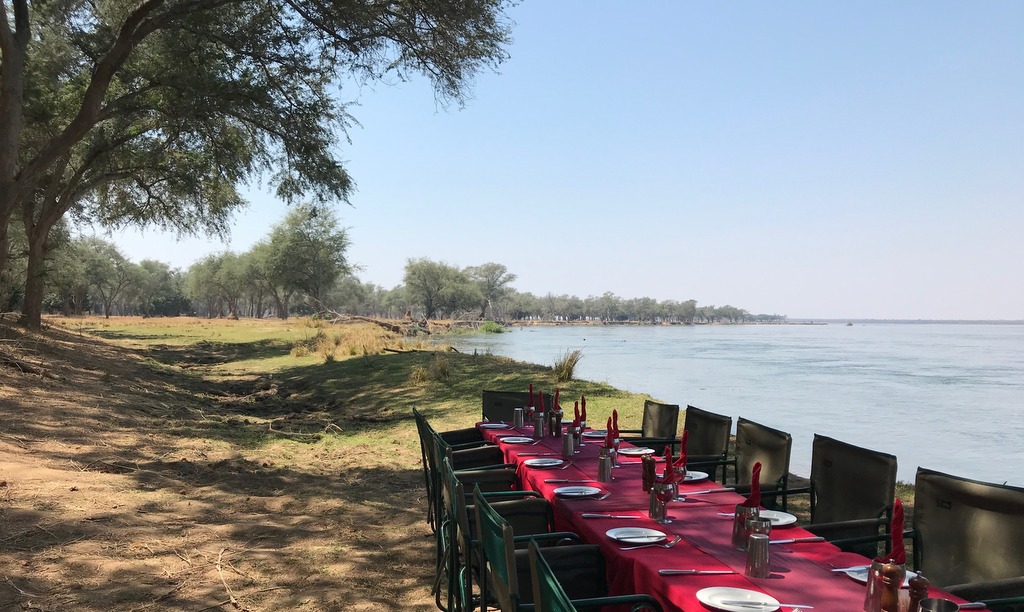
[
  {"x": 760, "y": 604},
  {"x": 568, "y": 480},
  {"x": 614, "y": 516},
  {"x": 725, "y": 490},
  {"x": 693, "y": 572},
  {"x": 535, "y": 454},
  {"x": 797, "y": 540}
]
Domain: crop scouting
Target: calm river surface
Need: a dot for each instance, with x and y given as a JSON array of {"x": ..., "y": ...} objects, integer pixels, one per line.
[{"x": 943, "y": 396}]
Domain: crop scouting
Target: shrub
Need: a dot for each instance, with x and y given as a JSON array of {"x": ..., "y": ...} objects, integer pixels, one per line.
[
  {"x": 566, "y": 364},
  {"x": 490, "y": 327}
]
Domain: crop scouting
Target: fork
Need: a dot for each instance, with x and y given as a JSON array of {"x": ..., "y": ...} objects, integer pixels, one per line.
[{"x": 668, "y": 544}]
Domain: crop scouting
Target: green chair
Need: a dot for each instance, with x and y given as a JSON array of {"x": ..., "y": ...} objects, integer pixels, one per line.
[
  {"x": 527, "y": 511},
  {"x": 506, "y": 578},
  {"x": 969, "y": 537},
  {"x": 457, "y": 439},
  {"x": 549, "y": 596},
  {"x": 658, "y": 427},
  {"x": 707, "y": 440}
]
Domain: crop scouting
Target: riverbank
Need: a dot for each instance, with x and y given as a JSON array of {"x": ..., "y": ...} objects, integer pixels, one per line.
[{"x": 188, "y": 464}]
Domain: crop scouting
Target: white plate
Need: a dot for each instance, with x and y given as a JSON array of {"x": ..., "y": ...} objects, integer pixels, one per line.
[
  {"x": 694, "y": 476},
  {"x": 636, "y": 535},
  {"x": 494, "y": 425},
  {"x": 596, "y": 433},
  {"x": 779, "y": 519},
  {"x": 517, "y": 440},
  {"x": 714, "y": 596},
  {"x": 542, "y": 462},
  {"x": 636, "y": 452},
  {"x": 861, "y": 576},
  {"x": 577, "y": 491}
]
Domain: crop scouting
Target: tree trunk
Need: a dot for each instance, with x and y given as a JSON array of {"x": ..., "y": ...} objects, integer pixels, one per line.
[{"x": 32, "y": 310}]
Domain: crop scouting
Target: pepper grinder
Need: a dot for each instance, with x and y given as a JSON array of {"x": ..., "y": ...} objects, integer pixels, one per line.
[
  {"x": 892, "y": 580},
  {"x": 918, "y": 591}
]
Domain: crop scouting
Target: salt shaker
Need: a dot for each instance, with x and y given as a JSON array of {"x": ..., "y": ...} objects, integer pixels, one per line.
[
  {"x": 568, "y": 448},
  {"x": 739, "y": 525},
  {"x": 604, "y": 465},
  {"x": 758, "y": 556},
  {"x": 538, "y": 425}
]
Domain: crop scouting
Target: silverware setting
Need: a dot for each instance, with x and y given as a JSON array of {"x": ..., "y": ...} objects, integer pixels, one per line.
[
  {"x": 569, "y": 480},
  {"x": 536, "y": 454},
  {"x": 760, "y": 605},
  {"x": 611, "y": 516},
  {"x": 855, "y": 568},
  {"x": 668, "y": 544},
  {"x": 693, "y": 572},
  {"x": 797, "y": 540},
  {"x": 706, "y": 491}
]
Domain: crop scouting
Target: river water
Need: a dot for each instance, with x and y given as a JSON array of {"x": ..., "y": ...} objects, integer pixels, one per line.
[{"x": 944, "y": 396}]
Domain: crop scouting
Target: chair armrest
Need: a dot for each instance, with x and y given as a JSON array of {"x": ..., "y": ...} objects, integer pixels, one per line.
[
  {"x": 465, "y": 445},
  {"x": 497, "y": 466},
  {"x": 1004, "y": 592},
  {"x": 509, "y": 494},
  {"x": 553, "y": 535},
  {"x": 468, "y": 435},
  {"x": 649, "y": 442},
  {"x": 635, "y": 431},
  {"x": 643, "y": 602}
]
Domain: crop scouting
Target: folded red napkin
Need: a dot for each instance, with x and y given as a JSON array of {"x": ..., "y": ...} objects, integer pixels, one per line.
[
  {"x": 576, "y": 414},
  {"x": 540, "y": 400},
  {"x": 530, "y": 405},
  {"x": 583, "y": 409},
  {"x": 681, "y": 461},
  {"x": 615, "y": 422},
  {"x": 899, "y": 552},
  {"x": 670, "y": 473},
  {"x": 754, "y": 499},
  {"x": 609, "y": 436},
  {"x": 556, "y": 405}
]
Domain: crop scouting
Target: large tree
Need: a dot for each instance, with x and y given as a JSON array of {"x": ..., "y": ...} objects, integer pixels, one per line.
[
  {"x": 493, "y": 280},
  {"x": 154, "y": 110},
  {"x": 439, "y": 288},
  {"x": 307, "y": 250}
]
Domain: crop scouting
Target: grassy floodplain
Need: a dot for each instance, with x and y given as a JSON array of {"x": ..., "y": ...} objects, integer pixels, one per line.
[{"x": 189, "y": 464}]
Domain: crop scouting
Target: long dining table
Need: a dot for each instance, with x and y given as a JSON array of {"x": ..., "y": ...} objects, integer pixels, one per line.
[{"x": 802, "y": 571}]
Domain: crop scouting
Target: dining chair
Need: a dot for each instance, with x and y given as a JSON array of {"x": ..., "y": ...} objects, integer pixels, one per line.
[
  {"x": 550, "y": 596},
  {"x": 507, "y": 579},
  {"x": 500, "y": 406},
  {"x": 772, "y": 448},
  {"x": 852, "y": 490},
  {"x": 456, "y": 439},
  {"x": 658, "y": 427},
  {"x": 969, "y": 537},
  {"x": 707, "y": 440},
  {"x": 527, "y": 511}
]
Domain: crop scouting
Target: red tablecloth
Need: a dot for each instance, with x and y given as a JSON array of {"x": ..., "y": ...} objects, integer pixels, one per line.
[{"x": 800, "y": 571}]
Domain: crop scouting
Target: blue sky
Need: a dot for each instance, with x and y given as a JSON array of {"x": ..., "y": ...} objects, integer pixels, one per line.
[{"x": 814, "y": 159}]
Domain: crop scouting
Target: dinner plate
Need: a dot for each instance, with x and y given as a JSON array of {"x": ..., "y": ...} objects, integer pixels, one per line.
[
  {"x": 861, "y": 576},
  {"x": 595, "y": 433},
  {"x": 636, "y": 535},
  {"x": 778, "y": 519},
  {"x": 636, "y": 452},
  {"x": 694, "y": 476},
  {"x": 542, "y": 462},
  {"x": 714, "y": 596},
  {"x": 494, "y": 425},
  {"x": 577, "y": 491},
  {"x": 517, "y": 440}
]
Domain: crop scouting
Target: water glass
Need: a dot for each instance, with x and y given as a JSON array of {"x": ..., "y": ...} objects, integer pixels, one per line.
[{"x": 758, "y": 556}]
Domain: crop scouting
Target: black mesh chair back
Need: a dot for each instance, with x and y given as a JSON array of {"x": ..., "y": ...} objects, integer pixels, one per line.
[
  {"x": 501, "y": 405},
  {"x": 852, "y": 492},
  {"x": 968, "y": 531},
  {"x": 759, "y": 443},
  {"x": 660, "y": 420},
  {"x": 707, "y": 440}
]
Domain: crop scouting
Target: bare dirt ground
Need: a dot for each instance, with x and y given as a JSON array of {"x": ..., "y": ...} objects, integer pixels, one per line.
[{"x": 126, "y": 484}]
